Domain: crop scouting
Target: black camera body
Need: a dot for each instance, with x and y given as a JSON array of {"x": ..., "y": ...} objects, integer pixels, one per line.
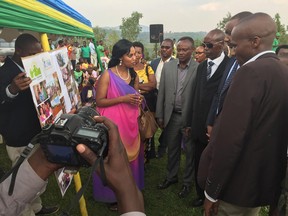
[{"x": 59, "y": 140}]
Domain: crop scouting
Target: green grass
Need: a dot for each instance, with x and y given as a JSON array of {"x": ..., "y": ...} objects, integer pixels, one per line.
[{"x": 157, "y": 202}]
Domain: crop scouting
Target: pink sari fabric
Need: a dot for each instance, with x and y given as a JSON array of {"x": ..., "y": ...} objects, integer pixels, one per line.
[{"x": 124, "y": 115}]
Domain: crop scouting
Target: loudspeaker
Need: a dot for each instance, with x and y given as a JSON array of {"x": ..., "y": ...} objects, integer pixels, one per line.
[{"x": 156, "y": 33}]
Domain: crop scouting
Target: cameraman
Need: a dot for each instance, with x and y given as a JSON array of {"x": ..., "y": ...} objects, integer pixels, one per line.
[{"x": 34, "y": 172}]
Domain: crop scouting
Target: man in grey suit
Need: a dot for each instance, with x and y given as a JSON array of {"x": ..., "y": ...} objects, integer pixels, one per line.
[
  {"x": 173, "y": 112},
  {"x": 157, "y": 65}
]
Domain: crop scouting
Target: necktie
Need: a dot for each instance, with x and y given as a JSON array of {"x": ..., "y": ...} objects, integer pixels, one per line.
[
  {"x": 209, "y": 69},
  {"x": 226, "y": 85},
  {"x": 230, "y": 77}
]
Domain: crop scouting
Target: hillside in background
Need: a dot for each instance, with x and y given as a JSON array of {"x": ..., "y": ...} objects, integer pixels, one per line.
[{"x": 144, "y": 37}]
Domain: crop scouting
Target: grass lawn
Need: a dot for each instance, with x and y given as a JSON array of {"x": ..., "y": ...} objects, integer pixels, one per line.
[{"x": 157, "y": 202}]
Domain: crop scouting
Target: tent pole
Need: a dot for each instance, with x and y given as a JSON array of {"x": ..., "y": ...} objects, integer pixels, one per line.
[{"x": 44, "y": 42}]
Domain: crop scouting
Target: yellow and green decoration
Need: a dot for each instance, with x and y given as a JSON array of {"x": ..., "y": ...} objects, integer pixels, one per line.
[{"x": 46, "y": 16}]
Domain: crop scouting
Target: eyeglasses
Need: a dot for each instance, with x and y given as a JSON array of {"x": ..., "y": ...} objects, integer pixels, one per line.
[
  {"x": 210, "y": 45},
  {"x": 165, "y": 47},
  {"x": 198, "y": 53}
]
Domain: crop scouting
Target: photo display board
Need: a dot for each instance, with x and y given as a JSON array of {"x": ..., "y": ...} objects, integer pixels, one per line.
[{"x": 54, "y": 89}]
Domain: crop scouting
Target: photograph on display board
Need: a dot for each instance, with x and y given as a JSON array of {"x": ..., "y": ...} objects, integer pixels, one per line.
[
  {"x": 40, "y": 92},
  {"x": 53, "y": 87},
  {"x": 54, "y": 92}
]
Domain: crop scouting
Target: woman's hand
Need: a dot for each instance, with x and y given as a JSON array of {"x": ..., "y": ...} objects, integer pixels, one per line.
[{"x": 134, "y": 99}]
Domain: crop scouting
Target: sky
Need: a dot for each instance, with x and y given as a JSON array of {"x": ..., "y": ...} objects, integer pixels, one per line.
[{"x": 175, "y": 15}]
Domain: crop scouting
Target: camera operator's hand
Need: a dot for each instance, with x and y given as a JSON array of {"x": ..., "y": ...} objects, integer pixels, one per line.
[
  {"x": 117, "y": 168},
  {"x": 41, "y": 165},
  {"x": 19, "y": 83}
]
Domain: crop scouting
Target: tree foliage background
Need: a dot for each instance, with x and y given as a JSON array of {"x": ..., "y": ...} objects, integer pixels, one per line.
[
  {"x": 280, "y": 27},
  {"x": 130, "y": 27},
  {"x": 222, "y": 23}
]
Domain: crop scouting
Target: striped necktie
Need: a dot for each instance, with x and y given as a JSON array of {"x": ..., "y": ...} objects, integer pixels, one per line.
[
  {"x": 230, "y": 77},
  {"x": 209, "y": 69},
  {"x": 226, "y": 85}
]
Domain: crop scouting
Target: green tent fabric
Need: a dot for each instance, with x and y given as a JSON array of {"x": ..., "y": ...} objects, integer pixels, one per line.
[{"x": 14, "y": 16}]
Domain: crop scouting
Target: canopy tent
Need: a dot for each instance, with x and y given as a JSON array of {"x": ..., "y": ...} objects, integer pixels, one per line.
[{"x": 43, "y": 16}]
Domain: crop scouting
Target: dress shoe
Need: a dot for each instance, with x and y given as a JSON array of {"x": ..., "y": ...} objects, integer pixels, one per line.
[
  {"x": 47, "y": 210},
  {"x": 166, "y": 183},
  {"x": 184, "y": 192},
  {"x": 113, "y": 206},
  {"x": 198, "y": 202}
]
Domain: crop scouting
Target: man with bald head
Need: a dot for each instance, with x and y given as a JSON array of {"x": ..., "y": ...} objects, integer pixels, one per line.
[
  {"x": 208, "y": 76},
  {"x": 228, "y": 74},
  {"x": 244, "y": 162}
]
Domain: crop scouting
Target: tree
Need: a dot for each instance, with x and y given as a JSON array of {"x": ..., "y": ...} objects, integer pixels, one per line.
[
  {"x": 222, "y": 23},
  {"x": 111, "y": 39},
  {"x": 130, "y": 27},
  {"x": 99, "y": 33},
  {"x": 281, "y": 29}
]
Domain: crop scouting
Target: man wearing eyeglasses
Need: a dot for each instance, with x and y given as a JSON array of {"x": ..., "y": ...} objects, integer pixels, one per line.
[
  {"x": 228, "y": 74},
  {"x": 166, "y": 55},
  {"x": 157, "y": 65},
  {"x": 244, "y": 163},
  {"x": 209, "y": 74},
  {"x": 199, "y": 54}
]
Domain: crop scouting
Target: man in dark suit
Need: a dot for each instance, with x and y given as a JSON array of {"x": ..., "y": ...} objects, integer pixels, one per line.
[
  {"x": 157, "y": 65},
  {"x": 208, "y": 76},
  {"x": 245, "y": 160},
  {"x": 282, "y": 209},
  {"x": 18, "y": 117},
  {"x": 173, "y": 111},
  {"x": 282, "y": 53},
  {"x": 166, "y": 52},
  {"x": 228, "y": 74}
]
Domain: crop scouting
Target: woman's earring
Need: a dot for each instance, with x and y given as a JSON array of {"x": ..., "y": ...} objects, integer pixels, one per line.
[{"x": 120, "y": 63}]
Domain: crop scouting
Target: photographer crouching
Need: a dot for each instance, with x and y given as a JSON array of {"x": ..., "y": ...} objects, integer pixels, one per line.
[{"x": 34, "y": 172}]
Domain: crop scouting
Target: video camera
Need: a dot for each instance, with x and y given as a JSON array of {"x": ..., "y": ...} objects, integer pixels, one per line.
[{"x": 59, "y": 140}]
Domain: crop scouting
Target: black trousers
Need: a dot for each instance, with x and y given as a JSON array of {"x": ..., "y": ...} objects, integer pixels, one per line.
[{"x": 1, "y": 172}]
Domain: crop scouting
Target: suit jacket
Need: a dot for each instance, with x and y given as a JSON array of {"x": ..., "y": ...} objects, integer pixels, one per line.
[
  {"x": 245, "y": 159},
  {"x": 154, "y": 64},
  {"x": 204, "y": 92},
  {"x": 167, "y": 92},
  {"x": 219, "y": 98},
  {"x": 18, "y": 117}
]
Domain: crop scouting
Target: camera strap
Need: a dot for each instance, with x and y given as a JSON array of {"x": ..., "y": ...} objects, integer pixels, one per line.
[
  {"x": 15, "y": 168},
  {"x": 73, "y": 203}
]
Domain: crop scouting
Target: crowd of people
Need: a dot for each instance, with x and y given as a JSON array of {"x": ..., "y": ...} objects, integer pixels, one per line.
[{"x": 223, "y": 103}]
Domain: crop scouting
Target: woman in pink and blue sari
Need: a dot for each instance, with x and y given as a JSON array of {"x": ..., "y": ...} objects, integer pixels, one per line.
[{"x": 117, "y": 98}]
